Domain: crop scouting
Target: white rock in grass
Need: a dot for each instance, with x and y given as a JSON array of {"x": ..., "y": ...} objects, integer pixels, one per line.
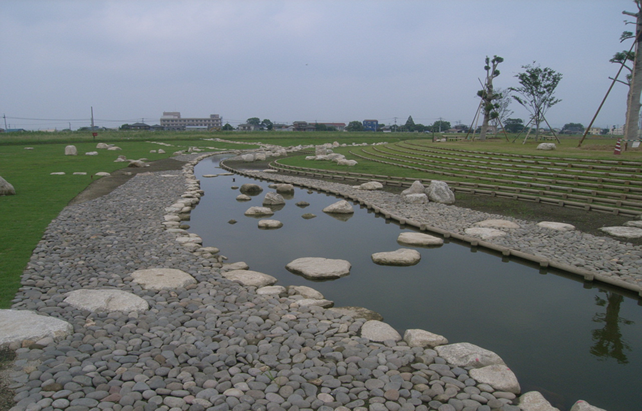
[
  {"x": 546, "y": 146},
  {"x": 6, "y": 189},
  {"x": 71, "y": 151}
]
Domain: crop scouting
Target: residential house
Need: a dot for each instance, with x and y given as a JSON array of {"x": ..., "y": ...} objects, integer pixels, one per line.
[{"x": 370, "y": 125}]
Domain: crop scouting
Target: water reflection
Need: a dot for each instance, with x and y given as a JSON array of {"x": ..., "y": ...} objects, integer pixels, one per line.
[{"x": 608, "y": 339}]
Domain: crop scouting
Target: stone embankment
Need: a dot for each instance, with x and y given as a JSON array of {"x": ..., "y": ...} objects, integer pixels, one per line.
[{"x": 210, "y": 343}]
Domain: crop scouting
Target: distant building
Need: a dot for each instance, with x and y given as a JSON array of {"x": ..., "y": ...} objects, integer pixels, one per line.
[
  {"x": 139, "y": 126},
  {"x": 303, "y": 126},
  {"x": 337, "y": 126},
  {"x": 370, "y": 125},
  {"x": 172, "y": 120},
  {"x": 282, "y": 127},
  {"x": 248, "y": 127}
]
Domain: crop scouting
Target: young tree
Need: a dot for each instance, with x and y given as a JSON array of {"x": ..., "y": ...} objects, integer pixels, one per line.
[
  {"x": 514, "y": 125},
  {"x": 573, "y": 128},
  {"x": 537, "y": 89},
  {"x": 227, "y": 127},
  {"x": 254, "y": 121},
  {"x": 635, "y": 77},
  {"x": 488, "y": 95},
  {"x": 439, "y": 126}
]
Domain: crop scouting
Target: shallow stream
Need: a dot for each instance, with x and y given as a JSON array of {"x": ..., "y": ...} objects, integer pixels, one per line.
[{"x": 564, "y": 338}]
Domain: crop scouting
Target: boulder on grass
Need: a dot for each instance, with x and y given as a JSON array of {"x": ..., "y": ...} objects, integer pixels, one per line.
[
  {"x": 546, "y": 146},
  {"x": 6, "y": 189},
  {"x": 71, "y": 151}
]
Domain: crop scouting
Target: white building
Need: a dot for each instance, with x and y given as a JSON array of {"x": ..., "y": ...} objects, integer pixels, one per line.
[{"x": 171, "y": 120}]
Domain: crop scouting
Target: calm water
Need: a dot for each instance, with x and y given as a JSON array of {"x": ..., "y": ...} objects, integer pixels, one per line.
[{"x": 560, "y": 337}]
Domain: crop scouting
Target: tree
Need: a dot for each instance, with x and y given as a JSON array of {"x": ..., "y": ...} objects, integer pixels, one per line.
[
  {"x": 514, "y": 125},
  {"x": 488, "y": 95},
  {"x": 503, "y": 102},
  {"x": 573, "y": 128},
  {"x": 355, "y": 126},
  {"x": 227, "y": 127},
  {"x": 410, "y": 124},
  {"x": 537, "y": 89},
  {"x": 267, "y": 124},
  {"x": 439, "y": 126},
  {"x": 254, "y": 121},
  {"x": 320, "y": 127},
  {"x": 635, "y": 77}
]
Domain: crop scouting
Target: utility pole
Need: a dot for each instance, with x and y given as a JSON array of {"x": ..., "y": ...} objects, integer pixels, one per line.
[
  {"x": 5, "y": 121},
  {"x": 440, "y": 124},
  {"x": 92, "y": 118}
]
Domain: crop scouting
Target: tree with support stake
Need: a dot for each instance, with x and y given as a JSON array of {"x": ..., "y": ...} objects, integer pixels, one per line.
[
  {"x": 536, "y": 94},
  {"x": 488, "y": 95},
  {"x": 633, "y": 79}
]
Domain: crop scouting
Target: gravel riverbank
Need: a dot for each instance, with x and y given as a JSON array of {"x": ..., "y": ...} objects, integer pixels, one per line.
[{"x": 218, "y": 345}]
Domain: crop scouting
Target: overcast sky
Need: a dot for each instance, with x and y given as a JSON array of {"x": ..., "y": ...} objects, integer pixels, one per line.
[{"x": 325, "y": 61}]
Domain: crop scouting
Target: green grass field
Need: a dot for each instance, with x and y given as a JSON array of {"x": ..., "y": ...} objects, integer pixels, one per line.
[{"x": 40, "y": 196}]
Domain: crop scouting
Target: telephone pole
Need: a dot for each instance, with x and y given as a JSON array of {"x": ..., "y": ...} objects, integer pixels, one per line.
[{"x": 92, "y": 118}]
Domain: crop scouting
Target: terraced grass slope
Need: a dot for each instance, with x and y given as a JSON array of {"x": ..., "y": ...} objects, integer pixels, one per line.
[{"x": 603, "y": 185}]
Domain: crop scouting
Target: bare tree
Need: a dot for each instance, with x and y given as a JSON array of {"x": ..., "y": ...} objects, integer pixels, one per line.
[
  {"x": 488, "y": 94},
  {"x": 635, "y": 79},
  {"x": 503, "y": 102}
]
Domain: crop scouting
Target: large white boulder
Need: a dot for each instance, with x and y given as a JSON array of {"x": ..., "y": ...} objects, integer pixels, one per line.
[
  {"x": 415, "y": 198},
  {"x": 319, "y": 268},
  {"x": 551, "y": 225},
  {"x": 6, "y": 189},
  {"x": 273, "y": 199},
  {"x": 285, "y": 188},
  {"x": 582, "y": 405},
  {"x": 535, "y": 401},
  {"x": 624, "y": 232},
  {"x": 106, "y": 300},
  {"x": 400, "y": 257},
  {"x": 71, "y": 151},
  {"x": 162, "y": 278},
  {"x": 546, "y": 146},
  {"x": 340, "y": 207},
  {"x": 422, "y": 338},
  {"x": 248, "y": 158},
  {"x": 102, "y": 146},
  {"x": 439, "y": 192},
  {"x": 251, "y": 189},
  {"x": 349, "y": 163},
  {"x": 270, "y": 224},
  {"x": 371, "y": 185},
  {"x": 420, "y": 239},
  {"x": 19, "y": 325},
  {"x": 250, "y": 278},
  {"x": 498, "y": 376},
  {"x": 379, "y": 331},
  {"x": 468, "y": 355},
  {"x": 415, "y": 188}
]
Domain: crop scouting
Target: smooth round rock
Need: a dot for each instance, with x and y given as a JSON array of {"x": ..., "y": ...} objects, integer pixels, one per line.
[
  {"x": 419, "y": 239},
  {"x": 400, "y": 257},
  {"x": 106, "y": 300},
  {"x": 318, "y": 267},
  {"x": 379, "y": 331},
  {"x": 162, "y": 278},
  {"x": 20, "y": 325},
  {"x": 250, "y": 278}
]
